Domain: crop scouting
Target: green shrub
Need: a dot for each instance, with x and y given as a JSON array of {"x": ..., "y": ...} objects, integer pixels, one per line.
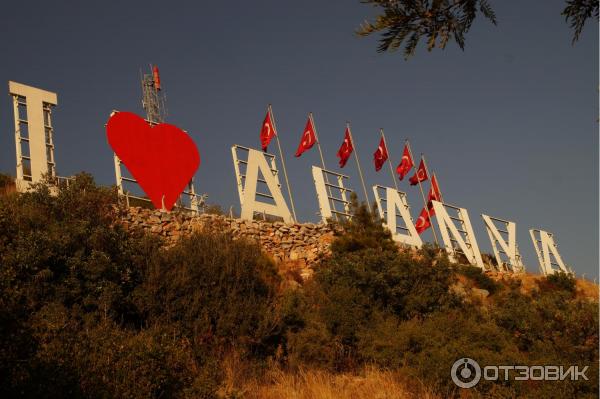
[
  {"x": 363, "y": 231},
  {"x": 218, "y": 292},
  {"x": 6, "y": 180},
  {"x": 560, "y": 281},
  {"x": 90, "y": 310},
  {"x": 551, "y": 328},
  {"x": 479, "y": 277},
  {"x": 364, "y": 279},
  {"x": 370, "y": 304}
]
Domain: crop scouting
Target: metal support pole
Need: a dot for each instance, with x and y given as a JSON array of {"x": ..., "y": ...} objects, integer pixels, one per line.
[
  {"x": 312, "y": 122},
  {"x": 118, "y": 175},
  {"x": 389, "y": 160},
  {"x": 362, "y": 180},
  {"x": 194, "y": 206},
  {"x": 440, "y": 191},
  {"x": 283, "y": 164},
  {"x": 423, "y": 195}
]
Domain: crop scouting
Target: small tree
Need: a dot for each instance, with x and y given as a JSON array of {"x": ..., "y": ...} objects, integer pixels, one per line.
[{"x": 363, "y": 231}]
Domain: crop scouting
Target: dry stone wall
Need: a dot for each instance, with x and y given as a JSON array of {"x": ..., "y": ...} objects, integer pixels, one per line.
[
  {"x": 302, "y": 244},
  {"x": 295, "y": 247}
]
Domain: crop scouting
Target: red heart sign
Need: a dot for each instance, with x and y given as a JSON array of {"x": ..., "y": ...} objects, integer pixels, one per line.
[{"x": 162, "y": 158}]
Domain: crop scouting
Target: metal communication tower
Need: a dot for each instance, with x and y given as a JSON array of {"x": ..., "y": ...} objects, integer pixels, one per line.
[{"x": 153, "y": 100}]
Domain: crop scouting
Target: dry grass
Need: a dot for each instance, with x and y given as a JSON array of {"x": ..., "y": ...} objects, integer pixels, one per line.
[
  {"x": 314, "y": 384},
  {"x": 587, "y": 289},
  {"x": 530, "y": 283},
  {"x": 274, "y": 383}
]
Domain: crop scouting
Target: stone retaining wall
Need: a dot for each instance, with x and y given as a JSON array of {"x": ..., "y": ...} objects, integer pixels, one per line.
[{"x": 302, "y": 244}]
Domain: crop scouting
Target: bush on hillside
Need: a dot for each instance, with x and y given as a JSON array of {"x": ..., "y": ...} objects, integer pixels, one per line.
[
  {"x": 559, "y": 281},
  {"x": 90, "y": 310},
  {"x": 479, "y": 277},
  {"x": 363, "y": 280},
  {"x": 370, "y": 304},
  {"x": 6, "y": 180},
  {"x": 218, "y": 292},
  {"x": 363, "y": 231}
]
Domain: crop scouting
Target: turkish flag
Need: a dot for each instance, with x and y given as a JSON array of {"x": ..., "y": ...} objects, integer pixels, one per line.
[
  {"x": 380, "y": 156},
  {"x": 309, "y": 138},
  {"x": 346, "y": 149},
  {"x": 423, "y": 222},
  {"x": 420, "y": 176},
  {"x": 406, "y": 163},
  {"x": 434, "y": 195},
  {"x": 267, "y": 132}
]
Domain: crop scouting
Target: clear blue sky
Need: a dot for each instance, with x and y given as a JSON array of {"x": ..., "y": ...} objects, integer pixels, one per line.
[{"x": 510, "y": 125}]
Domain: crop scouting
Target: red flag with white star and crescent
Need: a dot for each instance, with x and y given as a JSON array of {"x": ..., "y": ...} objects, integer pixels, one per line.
[
  {"x": 420, "y": 176},
  {"x": 423, "y": 222},
  {"x": 434, "y": 195},
  {"x": 380, "y": 155},
  {"x": 406, "y": 163},
  {"x": 346, "y": 149},
  {"x": 267, "y": 132},
  {"x": 309, "y": 138}
]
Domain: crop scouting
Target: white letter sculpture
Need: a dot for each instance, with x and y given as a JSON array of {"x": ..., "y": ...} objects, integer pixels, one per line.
[
  {"x": 325, "y": 191},
  {"x": 544, "y": 248},
  {"x": 33, "y": 133},
  {"x": 247, "y": 185},
  {"x": 466, "y": 242},
  {"x": 397, "y": 206},
  {"x": 508, "y": 247}
]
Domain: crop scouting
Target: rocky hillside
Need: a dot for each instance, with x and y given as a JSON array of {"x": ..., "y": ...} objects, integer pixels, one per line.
[
  {"x": 297, "y": 248},
  {"x": 92, "y": 306}
]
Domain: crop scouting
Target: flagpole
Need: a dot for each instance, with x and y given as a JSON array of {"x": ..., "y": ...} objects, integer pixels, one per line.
[
  {"x": 283, "y": 163},
  {"x": 362, "y": 180},
  {"x": 440, "y": 192},
  {"x": 389, "y": 159},
  {"x": 312, "y": 122},
  {"x": 423, "y": 195}
]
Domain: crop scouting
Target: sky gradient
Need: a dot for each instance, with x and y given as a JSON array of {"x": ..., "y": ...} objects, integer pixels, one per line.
[{"x": 510, "y": 125}]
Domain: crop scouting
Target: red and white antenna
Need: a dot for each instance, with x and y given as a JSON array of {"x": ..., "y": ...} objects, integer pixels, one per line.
[
  {"x": 156, "y": 77},
  {"x": 153, "y": 100}
]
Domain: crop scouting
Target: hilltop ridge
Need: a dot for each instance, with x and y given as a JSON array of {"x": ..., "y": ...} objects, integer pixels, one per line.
[{"x": 99, "y": 300}]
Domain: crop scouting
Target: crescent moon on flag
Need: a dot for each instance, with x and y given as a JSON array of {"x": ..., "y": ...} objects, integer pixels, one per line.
[
  {"x": 420, "y": 221},
  {"x": 307, "y": 139}
]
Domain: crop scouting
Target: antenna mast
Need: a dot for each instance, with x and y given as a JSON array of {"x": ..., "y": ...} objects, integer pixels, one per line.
[{"x": 153, "y": 100}]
